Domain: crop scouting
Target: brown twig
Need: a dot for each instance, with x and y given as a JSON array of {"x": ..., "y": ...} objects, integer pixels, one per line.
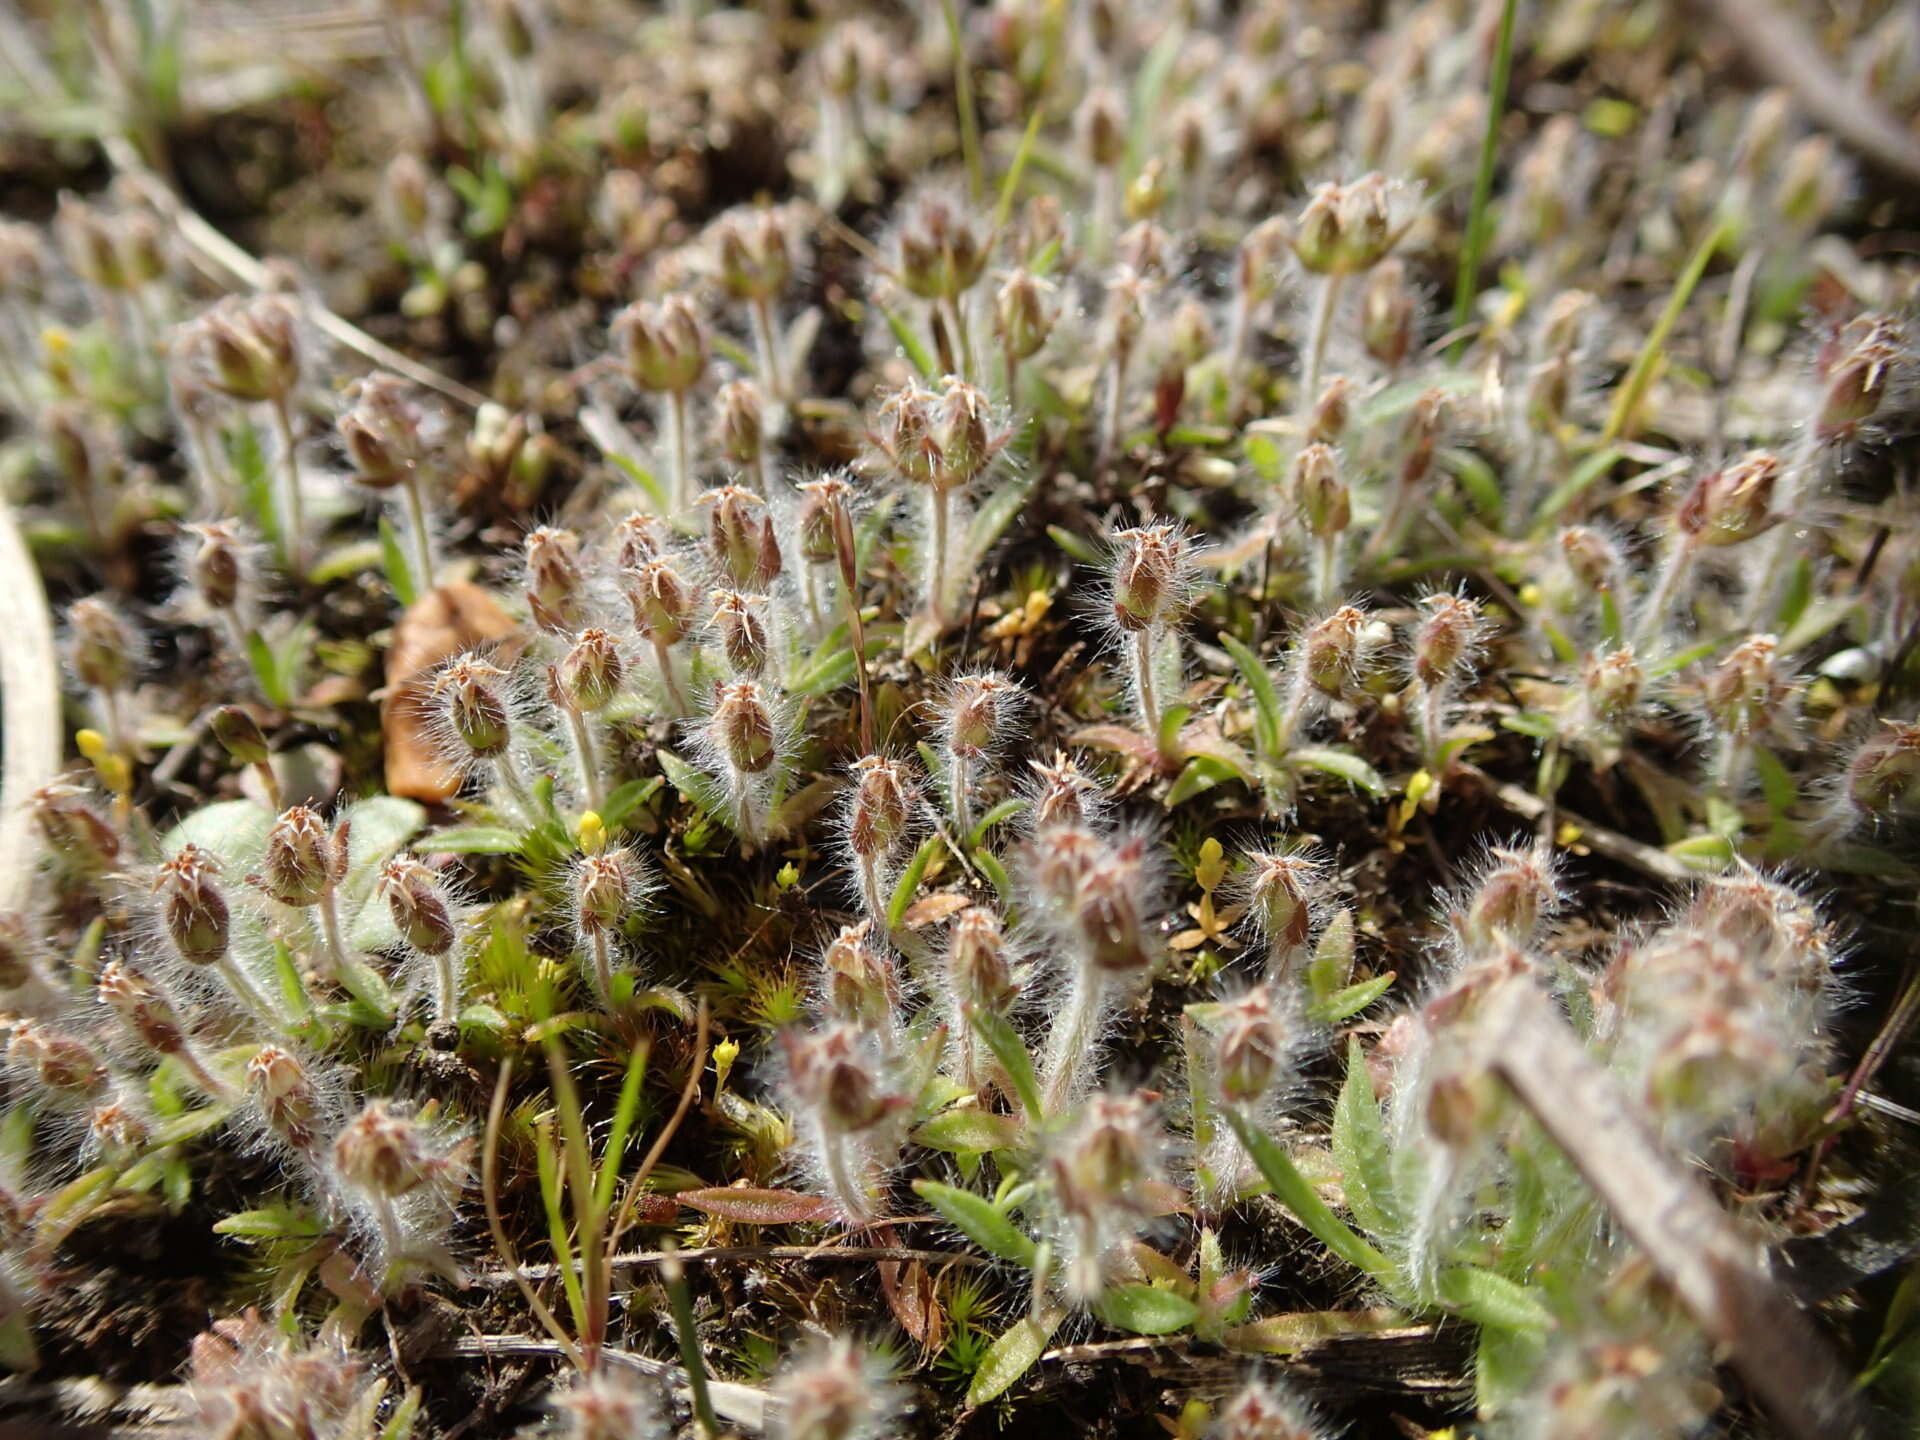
[
  {"x": 723, "y": 1254},
  {"x": 1624, "y": 849}
]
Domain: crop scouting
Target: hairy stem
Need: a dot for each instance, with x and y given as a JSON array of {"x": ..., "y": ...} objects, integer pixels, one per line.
[
  {"x": 293, "y": 542},
  {"x": 663, "y": 657},
  {"x": 1143, "y": 682},
  {"x": 419, "y": 533},
  {"x": 766, "y": 344},
  {"x": 1070, "y": 1045},
  {"x": 1324, "y": 303},
  {"x": 587, "y": 755},
  {"x": 681, "y": 446},
  {"x": 937, "y": 589}
]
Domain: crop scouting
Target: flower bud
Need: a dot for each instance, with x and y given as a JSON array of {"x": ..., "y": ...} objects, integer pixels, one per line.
[
  {"x": 1149, "y": 577},
  {"x": 738, "y": 423},
  {"x": 1329, "y": 420},
  {"x": 1594, "y": 560},
  {"x": 134, "y": 999},
  {"x": 940, "y": 254},
  {"x": 1611, "y": 686},
  {"x": 102, "y": 644},
  {"x": 1108, "y": 1159},
  {"x": 752, "y": 249},
  {"x": 1811, "y": 183},
  {"x": 834, "y": 1075},
  {"x": 1505, "y": 909},
  {"x": 382, "y": 432},
  {"x": 1024, "y": 312},
  {"x": 906, "y": 436},
  {"x": 217, "y": 565},
  {"x": 591, "y": 673},
  {"x": 61, "y": 1063},
  {"x": 605, "y": 890},
  {"x": 1321, "y": 494},
  {"x": 661, "y": 600},
  {"x": 1257, "y": 266},
  {"x": 977, "y": 706},
  {"x": 246, "y": 348},
  {"x": 963, "y": 434},
  {"x": 1251, "y": 1050},
  {"x": 1106, "y": 911},
  {"x": 978, "y": 965},
  {"x": 1447, "y": 640},
  {"x": 821, "y": 505},
  {"x": 862, "y": 985},
  {"x": 1883, "y": 770},
  {"x": 1143, "y": 249},
  {"x": 741, "y": 728},
  {"x": 664, "y": 344},
  {"x": 1062, "y": 796},
  {"x": 419, "y": 905},
  {"x": 1856, "y": 384},
  {"x": 1330, "y": 650},
  {"x": 1366, "y": 224},
  {"x": 1733, "y": 504},
  {"x": 239, "y": 735},
  {"x": 472, "y": 707},
  {"x": 637, "y": 539},
  {"x": 740, "y": 537},
  {"x": 554, "y": 578},
  {"x": 1318, "y": 236},
  {"x": 303, "y": 860},
  {"x": 194, "y": 912},
  {"x": 1746, "y": 694},
  {"x": 1146, "y": 192},
  {"x": 1386, "y": 314},
  {"x": 69, "y": 823},
  {"x": 16, "y": 953},
  {"x": 384, "y": 1152},
  {"x": 86, "y": 242},
  {"x": 1258, "y": 1412},
  {"x": 1103, "y": 129},
  {"x": 287, "y": 1097},
  {"x": 1277, "y": 897},
  {"x": 833, "y": 1394},
  {"x": 743, "y": 634},
  {"x": 883, "y": 800}
]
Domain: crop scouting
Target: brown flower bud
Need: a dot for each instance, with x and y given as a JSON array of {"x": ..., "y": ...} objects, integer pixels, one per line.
[
  {"x": 1506, "y": 906},
  {"x": 1330, "y": 650},
  {"x": 384, "y": 1152},
  {"x": 1318, "y": 237},
  {"x": 1277, "y": 894},
  {"x": 743, "y": 634},
  {"x": 382, "y": 432},
  {"x": 1884, "y": 769},
  {"x": 753, "y": 257},
  {"x": 419, "y": 905},
  {"x": 1149, "y": 577},
  {"x": 555, "y": 581},
  {"x": 1329, "y": 419},
  {"x": 664, "y": 343},
  {"x": 133, "y": 997},
  {"x": 59, "y": 1062},
  {"x": 1447, "y": 640},
  {"x": 977, "y": 707},
  {"x": 1732, "y": 504},
  {"x": 742, "y": 728},
  {"x": 882, "y": 807},
  {"x": 239, "y": 735},
  {"x": 637, "y": 539},
  {"x": 834, "y": 1074},
  {"x": 1024, "y": 312},
  {"x": 472, "y": 709},
  {"x": 16, "y": 951},
  {"x": 1252, "y": 1046},
  {"x": 822, "y": 504},
  {"x": 740, "y": 537},
  {"x": 217, "y": 565},
  {"x": 591, "y": 673},
  {"x": 1103, "y": 129},
  {"x": 303, "y": 861},
  {"x": 941, "y": 256},
  {"x": 978, "y": 964},
  {"x": 1324, "y": 501},
  {"x": 192, "y": 909},
  {"x": 287, "y": 1096},
  {"x": 103, "y": 644},
  {"x": 1856, "y": 384},
  {"x": 862, "y": 984},
  {"x": 1611, "y": 685},
  {"x": 246, "y": 348},
  {"x": 67, "y": 820},
  {"x": 739, "y": 423},
  {"x": 1062, "y": 797},
  {"x": 906, "y": 436},
  {"x": 1386, "y": 314},
  {"x": 605, "y": 890},
  {"x": 1747, "y": 694},
  {"x": 661, "y": 600}
]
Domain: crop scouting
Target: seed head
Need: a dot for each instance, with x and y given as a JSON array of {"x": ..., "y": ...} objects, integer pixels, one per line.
[
  {"x": 1611, "y": 685},
  {"x": 61, "y": 1063},
  {"x": 638, "y": 538},
  {"x": 303, "y": 861},
  {"x": 751, "y": 248},
  {"x": 67, "y": 820},
  {"x": 421, "y": 908},
  {"x": 387, "y": 1152},
  {"x": 1869, "y": 351},
  {"x": 835, "y": 1393},
  {"x": 1254, "y": 1036},
  {"x": 1447, "y": 642},
  {"x": 941, "y": 256},
  {"x": 288, "y": 1099},
  {"x": 246, "y": 348},
  {"x": 1506, "y": 907},
  {"x": 136, "y": 1000},
  {"x": 555, "y": 581},
  {"x": 1064, "y": 794},
  {"x": 1320, "y": 493},
  {"x": 824, "y": 510},
  {"x": 836, "y": 1077},
  {"x": 1747, "y": 694},
  {"x": 217, "y": 563},
  {"x": 1279, "y": 891},
  {"x": 1733, "y": 504},
  {"x": 1152, "y": 576},
  {"x": 743, "y": 633},
  {"x": 1024, "y": 313},
  {"x": 1594, "y": 559},
  {"x": 606, "y": 889},
  {"x": 1332, "y": 649},
  {"x": 979, "y": 966},
  {"x": 739, "y": 426},
  {"x": 975, "y": 711},
  {"x": 862, "y": 983}
]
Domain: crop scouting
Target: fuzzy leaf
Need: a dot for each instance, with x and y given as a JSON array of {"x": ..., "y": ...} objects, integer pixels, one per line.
[
  {"x": 234, "y": 832},
  {"x": 1291, "y": 1334},
  {"x": 1266, "y": 700},
  {"x": 748, "y": 1206},
  {"x": 1146, "y": 1310},
  {"x": 274, "y": 1222},
  {"x": 1348, "y": 1002},
  {"x": 1360, "y": 1147},
  {"x": 471, "y": 840},
  {"x": 1293, "y": 1190},
  {"x": 393, "y": 562},
  {"x": 1202, "y": 773},
  {"x": 980, "y": 1220},
  {"x": 379, "y": 828},
  {"x": 1119, "y": 739},
  {"x": 1493, "y": 1300},
  {"x": 1011, "y": 1051},
  {"x": 1017, "y": 1351},
  {"x": 969, "y": 1130},
  {"x": 909, "y": 882}
]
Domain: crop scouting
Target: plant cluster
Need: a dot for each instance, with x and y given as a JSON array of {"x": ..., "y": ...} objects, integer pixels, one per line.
[{"x": 989, "y": 737}]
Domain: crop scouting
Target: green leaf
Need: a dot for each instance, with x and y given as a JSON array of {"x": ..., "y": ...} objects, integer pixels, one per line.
[
  {"x": 1017, "y": 1351},
  {"x": 377, "y": 829},
  {"x": 909, "y": 881},
  {"x": 470, "y": 840},
  {"x": 1341, "y": 765},
  {"x": 1201, "y": 774},
  {"x": 1146, "y": 1310},
  {"x": 969, "y": 1130},
  {"x": 1346, "y": 1003},
  {"x": 980, "y": 1220},
  {"x": 694, "y": 786},
  {"x": 1593, "y": 468},
  {"x": 992, "y": 518},
  {"x": 1266, "y": 700},
  {"x": 1005, "y": 810},
  {"x": 644, "y": 478},
  {"x": 1291, "y": 1189},
  {"x": 628, "y": 798},
  {"x": 274, "y": 1222},
  {"x": 234, "y": 832},
  {"x": 1078, "y": 546},
  {"x": 393, "y": 563},
  {"x": 1476, "y": 477},
  {"x": 1011, "y": 1051},
  {"x": 1360, "y": 1148},
  {"x": 1490, "y": 1299},
  {"x": 911, "y": 343}
]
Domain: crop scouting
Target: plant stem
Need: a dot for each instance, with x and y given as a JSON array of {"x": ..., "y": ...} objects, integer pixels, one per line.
[
  {"x": 957, "y": 781},
  {"x": 245, "y": 991},
  {"x": 602, "y": 952},
  {"x": 956, "y": 312},
  {"x": 663, "y": 657},
  {"x": 678, "y": 442},
  {"x": 1324, "y": 304},
  {"x": 1110, "y": 422},
  {"x": 1466, "y": 283},
  {"x": 508, "y": 769},
  {"x": 1764, "y": 595},
  {"x": 1654, "y": 613},
  {"x": 1627, "y": 399},
  {"x": 419, "y": 534},
  {"x": 937, "y": 590},
  {"x": 1070, "y": 1046},
  {"x": 766, "y": 344},
  {"x": 846, "y": 1193},
  {"x": 1143, "y": 682},
  {"x": 587, "y": 754},
  {"x": 446, "y": 999},
  {"x": 293, "y": 545},
  {"x": 1326, "y": 570}
]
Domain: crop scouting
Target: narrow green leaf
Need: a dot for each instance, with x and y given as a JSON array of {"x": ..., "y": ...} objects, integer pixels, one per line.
[
  {"x": 1078, "y": 546},
  {"x": 1291, "y": 1189},
  {"x": 1266, "y": 700},
  {"x": 1011, "y": 1051},
  {"x": 393, "y": 564},
  {"x": 1017, "y": 1351},
  {"x": 1490, "y": 1299},
  {"x": 911, "y": 343},
  {"x": 624, "y": 1112},
  {"x": 969, "y": 1130},
  {"x": 909, "y": 881},
  {"x": 1360, "y": 1148},
  {"x": 1341, "y": 765},
  {"x": 272, "y": 1222},
  {"x": 471, "y": 840},
  {"x": 1582, "y": 478},
  {"x": 979, "y": 1219},
  {"x": 1346, "y": 1003}
]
